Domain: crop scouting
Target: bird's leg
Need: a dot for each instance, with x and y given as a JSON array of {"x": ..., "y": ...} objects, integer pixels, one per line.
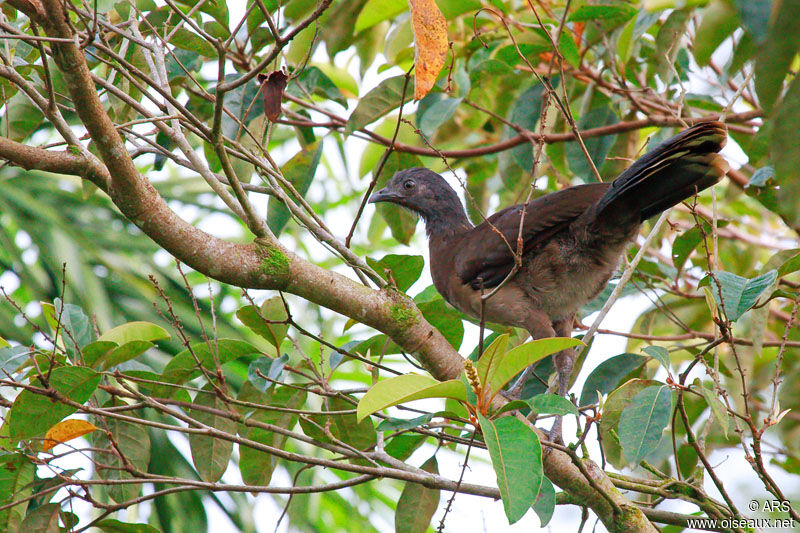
[{"x": 564, "y": 362}]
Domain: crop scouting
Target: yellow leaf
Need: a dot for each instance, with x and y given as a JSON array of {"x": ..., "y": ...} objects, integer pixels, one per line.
[
  {"x": 66, "y": 430},
  {"x": 430, "y": 40}
]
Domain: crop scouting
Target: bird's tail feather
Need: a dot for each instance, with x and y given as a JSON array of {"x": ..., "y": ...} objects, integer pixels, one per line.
[{"x": 670, "y": 173}]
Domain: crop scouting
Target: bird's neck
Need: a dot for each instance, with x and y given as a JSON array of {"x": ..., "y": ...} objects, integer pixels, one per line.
[{"x": 447, "y": 222}]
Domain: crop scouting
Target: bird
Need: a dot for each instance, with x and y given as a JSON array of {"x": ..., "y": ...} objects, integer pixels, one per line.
[{"x": 572, "y": 239}]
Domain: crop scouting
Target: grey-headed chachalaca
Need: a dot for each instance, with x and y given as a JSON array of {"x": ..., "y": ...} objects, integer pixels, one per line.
[{"x": 572, "y": 239}]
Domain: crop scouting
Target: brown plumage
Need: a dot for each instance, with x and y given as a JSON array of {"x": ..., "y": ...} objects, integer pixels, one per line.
[{"x": 572, "y": 239}]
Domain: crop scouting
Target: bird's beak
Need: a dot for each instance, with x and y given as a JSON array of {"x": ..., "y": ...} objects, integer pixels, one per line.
[{"x": 384, "y": 195}]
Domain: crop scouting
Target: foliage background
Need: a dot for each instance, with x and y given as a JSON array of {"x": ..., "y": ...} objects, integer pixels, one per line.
[{"x": 625, "y": 74}]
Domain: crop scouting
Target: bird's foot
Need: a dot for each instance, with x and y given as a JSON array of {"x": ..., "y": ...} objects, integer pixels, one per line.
[{"x": 554, "y": 435}]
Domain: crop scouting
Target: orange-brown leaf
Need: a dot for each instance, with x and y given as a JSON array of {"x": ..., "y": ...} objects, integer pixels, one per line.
[
  {"x": 430, "y": 40},
  {"x": 66, "y": 430},
  {"x": 578, "y": 31}
]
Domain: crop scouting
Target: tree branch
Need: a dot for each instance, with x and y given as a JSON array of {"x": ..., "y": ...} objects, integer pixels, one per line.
[{"x": 66, "y": 162}]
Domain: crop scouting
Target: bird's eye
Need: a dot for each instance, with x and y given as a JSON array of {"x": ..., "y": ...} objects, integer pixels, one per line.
[{"x": 409, "y": 184}]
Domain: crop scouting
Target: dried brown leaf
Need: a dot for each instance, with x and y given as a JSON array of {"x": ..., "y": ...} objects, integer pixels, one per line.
[{"x": 272, "y": 86}]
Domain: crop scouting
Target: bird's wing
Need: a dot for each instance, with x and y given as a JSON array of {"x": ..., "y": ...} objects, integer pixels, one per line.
[{"x": 483, "y": 253}]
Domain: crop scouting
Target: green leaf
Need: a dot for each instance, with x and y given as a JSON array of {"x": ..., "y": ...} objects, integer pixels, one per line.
[
  {"x": 178, "y": 62},
  {"x": 669, "y": 35},
  {"x": 492, "y": 79},
  {"x": 16, "y": 479},
  {"x": 269, "y": 322},
  {"x": 775, "y": 56},
  {"x": 552, "y": 404},
  {"x": 183, "y": 38},
  {"x": 597, "y": 147},
  {"x": 218, "y": 9},
  {"x": 96, "y": 352},
  {"x": 453, "y": 8},
  {"x": 245, "y": 103},
  {"x": 402, "y": 446},
  {"x": 642, "y": 423},
  {"x": 12, "y": 357},
  {"x": 754, "y": 15},
  {"x": 659, "y": 353},
  {"x": 374, "y": 345},
  {"x": 112, "y": 525},
  {"x": 405, "y": 269},
  {"x": 764, "y": 188},
  {"x": 42, "y": 519},
  {"x": 511, "y": 406},
  {"x": 257, "y": 29},
  {"x": 569, "y": 49},
  {"x": 126, "y": 352},
  {"x": 406, "y": 388},
  {"x": 516, "y": 455},
  {"x": 344, "y": 426},
  {"x": 70, "y": 520},
  {"x": 21, "y": 119},
  {"x": 617, "y": 13},
  {"x": 738, "y": 294},
  {"x": 518, "y": 359},
  {"x": 626, "y": 42},
  {"x": 525, "y": 114},
  {"x": 491, "y": 354},
  {"x": 511, "y": 57},
  {"x": 375, "y": 11},
  {"x": 607, "y": 375},
  {"x": 718, "y": 409},
  {"x": 436, "y": 114},
  {"x": 313, "y": 81},
  {"x": 257, "y": 466},
  {"x": 685, "y": 243},
  {"x": 744, "y": 51},
  {"x": 33, "y": 414},
  {"x": 417, "y": 503},
  {"x": 132, "y": 440},
  {"x": 341, "y": 78},
  {"x": 719, "y": 21},
  {"x": 299, "y": 171},
  {"x": 787, "y": 267},
  {"x": 211, "y": 454},
  {"x": 77, "y": 330},
  {"x": 135, "y": 331},
  {"x": 613, "y": 407},
  {"x": 377, "y": 103},
  {"x": 444, "y": 318},
  {"x": 398, "y": 424},
  {"x": 183, "y": 366},
  {"x": 785, "y": 157},
  {"x": 266, "y": 366},
  {"x": 545, "y": 503}
]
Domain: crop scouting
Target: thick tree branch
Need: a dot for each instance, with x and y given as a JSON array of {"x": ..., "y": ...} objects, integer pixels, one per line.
[{"x": 66, "y": 162}]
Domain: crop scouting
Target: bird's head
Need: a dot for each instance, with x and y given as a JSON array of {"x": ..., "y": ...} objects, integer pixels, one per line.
[{"x": 422, "y": 191}]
